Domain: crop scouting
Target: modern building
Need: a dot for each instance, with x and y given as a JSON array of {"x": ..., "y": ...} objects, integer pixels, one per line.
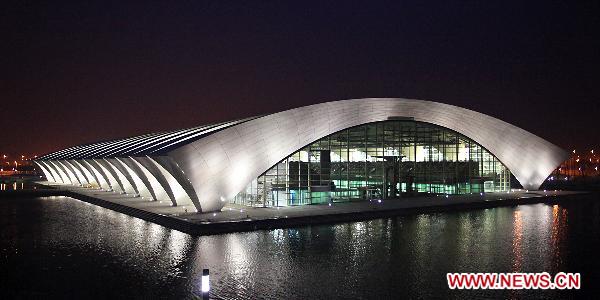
[{"x": 348, "y": 150}]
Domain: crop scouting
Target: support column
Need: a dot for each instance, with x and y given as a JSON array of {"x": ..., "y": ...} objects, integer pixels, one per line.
[
  {"x": 80, "y": 175},
  {"x": 159, "y": 191},
  {"x": 88, "y": 173},
  {"x": 74, "y": 179},
  {"x": 60, "y": 172},
  {"x": 46, "y": 172},
  {"x": 126, "y": 181},
  {"x": 93, "y": 167},
  {"x": 183, "y": 190},
  {"x": 53, "y": 171},
  {"x": 112, "y": 177},
  {"x": 142, "y": 183}
]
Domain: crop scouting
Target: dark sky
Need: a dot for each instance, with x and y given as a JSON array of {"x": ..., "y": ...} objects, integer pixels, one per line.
[{"x": 80, "y": 72}]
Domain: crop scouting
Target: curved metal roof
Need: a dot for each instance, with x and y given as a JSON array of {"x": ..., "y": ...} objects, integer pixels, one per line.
[
  {"x": 141, "y": 145},
  {"x": 219, "y": 160},
  {"x": 222, "y": 164}
]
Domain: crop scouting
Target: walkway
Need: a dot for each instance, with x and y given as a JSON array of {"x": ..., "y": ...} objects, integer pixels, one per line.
[{"x": 241, "y": 218}]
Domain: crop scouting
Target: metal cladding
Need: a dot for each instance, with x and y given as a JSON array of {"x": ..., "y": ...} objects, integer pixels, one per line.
[{"x": 207, "y": 166}]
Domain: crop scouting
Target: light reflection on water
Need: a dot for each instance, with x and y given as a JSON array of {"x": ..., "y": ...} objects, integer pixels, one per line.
[
  {"x": 517, "y": 238},
  {"x": 16, "y": 185},
  {"x": 100, "y": 252}
]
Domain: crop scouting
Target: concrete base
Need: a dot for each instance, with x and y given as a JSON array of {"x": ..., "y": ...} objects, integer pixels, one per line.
[{"x": 241, "y": 218}]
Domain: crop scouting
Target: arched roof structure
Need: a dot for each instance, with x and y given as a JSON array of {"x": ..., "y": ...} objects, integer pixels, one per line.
[{"x": 207, "y": 165}]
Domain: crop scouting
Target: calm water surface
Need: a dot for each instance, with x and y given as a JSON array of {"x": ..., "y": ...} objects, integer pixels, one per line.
[{"x": 61, "y": 247}]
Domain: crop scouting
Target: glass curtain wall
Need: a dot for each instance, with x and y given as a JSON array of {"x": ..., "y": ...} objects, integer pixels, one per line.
[{"x": 382, "y": 160}]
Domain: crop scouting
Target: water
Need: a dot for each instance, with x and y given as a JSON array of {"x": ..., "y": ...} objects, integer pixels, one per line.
[{"x": 61, "y": 247}]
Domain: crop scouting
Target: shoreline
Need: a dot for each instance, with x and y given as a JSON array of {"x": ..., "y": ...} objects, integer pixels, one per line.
[{"x": 231, "y": 220}]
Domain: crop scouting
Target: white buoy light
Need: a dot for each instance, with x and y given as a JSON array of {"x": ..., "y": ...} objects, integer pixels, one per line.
[{"x": 205, "y": 284}]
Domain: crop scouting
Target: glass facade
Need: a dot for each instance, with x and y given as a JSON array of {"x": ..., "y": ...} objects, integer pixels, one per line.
[{"x": 389, "y": 159}]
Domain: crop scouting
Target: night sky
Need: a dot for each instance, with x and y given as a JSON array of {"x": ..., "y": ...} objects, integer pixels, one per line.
[{"x": 80, "y": 72}]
